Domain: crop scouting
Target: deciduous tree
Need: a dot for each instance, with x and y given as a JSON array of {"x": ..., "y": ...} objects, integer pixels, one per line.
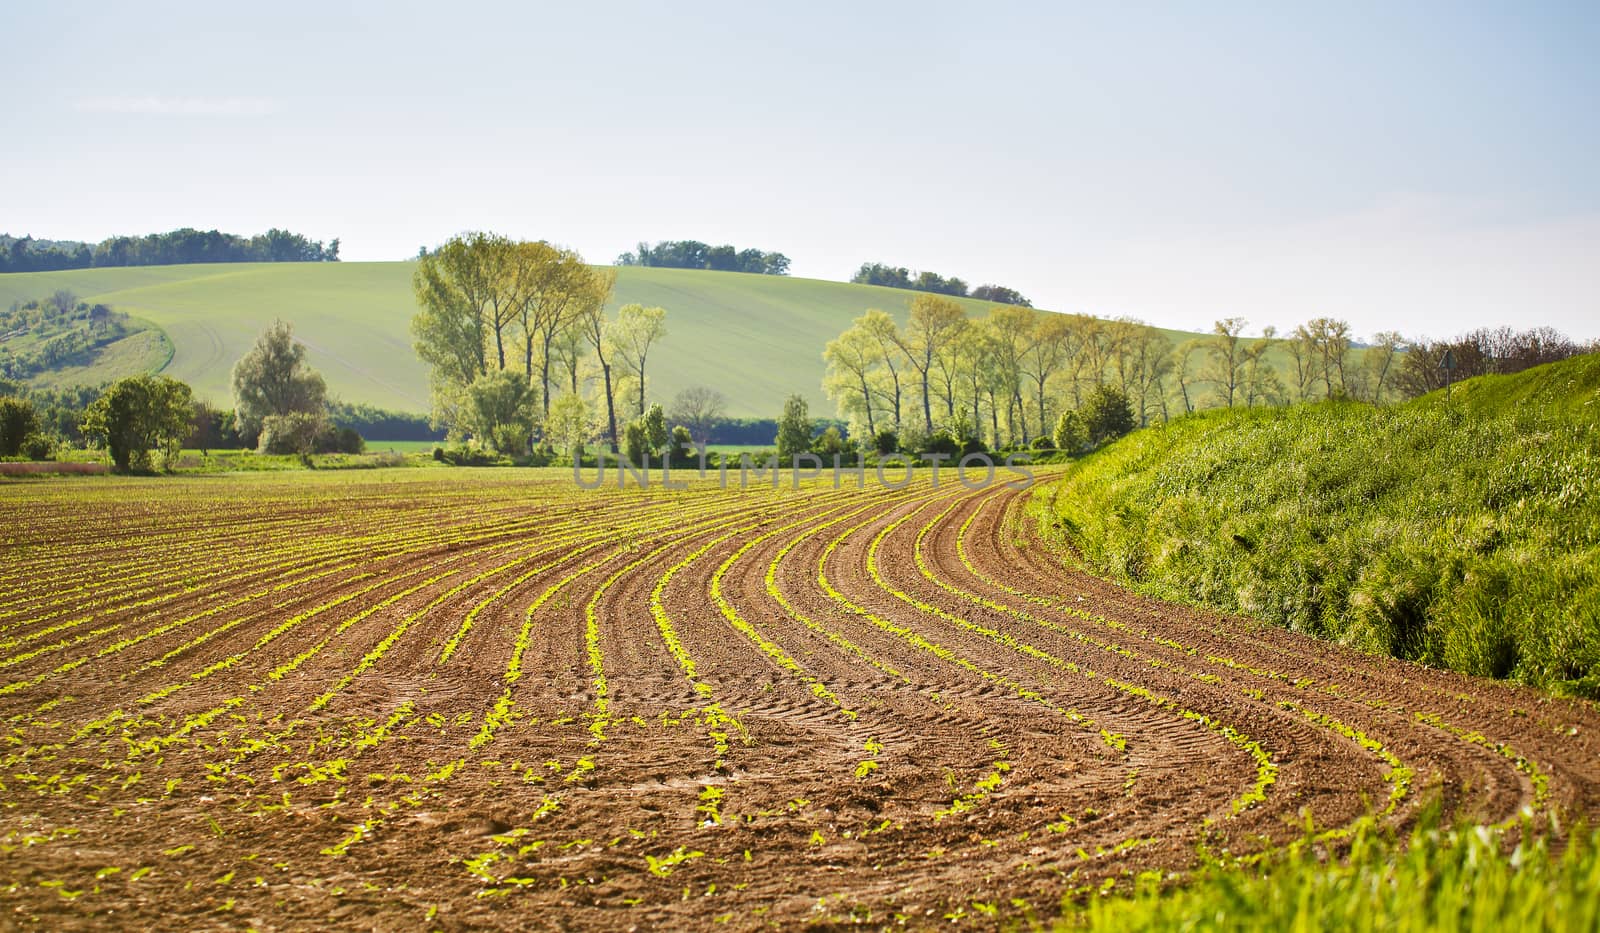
[
  {"x": 273, "y": 379},
  {"x": 794, "y": 429},
  {"x": 698, "y": 408},
  {"x": 636, "y": 330},
  {"x": 140, "y": 414},
  {"x": 596, "y": 331}
]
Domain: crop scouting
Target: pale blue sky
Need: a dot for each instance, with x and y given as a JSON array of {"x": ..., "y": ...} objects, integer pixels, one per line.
[{"x": 1421, "y": 166}]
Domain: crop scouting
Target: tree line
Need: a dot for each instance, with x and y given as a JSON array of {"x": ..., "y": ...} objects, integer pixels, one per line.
[
  {"x": 1013, "y": 375},
  {"x": 693, "y": 254},
  {"x": 187, "y": 245},
  {"x": 876, "y": 273},
  {"x": 520, "y": 348}
]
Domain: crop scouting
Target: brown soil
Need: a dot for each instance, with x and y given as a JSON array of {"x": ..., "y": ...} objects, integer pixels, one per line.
[{"x": 496, "y": 702}]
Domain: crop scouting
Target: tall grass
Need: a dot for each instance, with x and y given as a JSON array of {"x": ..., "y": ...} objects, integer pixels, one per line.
[
  {"x": 1461, "y": 532},
  {"x": 1468, "y": 878}
]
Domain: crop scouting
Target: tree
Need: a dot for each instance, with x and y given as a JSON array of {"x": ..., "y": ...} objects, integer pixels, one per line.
[
  {"x": 1226, "y": 349},
  {"x": 794, "y": 428},
  {"x": 1107, "y": 414},
  {"x": 567, "y": 355},
  {"x": 1070, "y": 434},
  {"x": 139, "y": 414},
  {"x": 883, "y": 331},
  {"x": 636, "y": 330},
  {"x": 568, "y": 424},
  {"x": 693, "y": 254},
  {"x": 948, "y": 364},
  {"x": 18, "y": 422},
  {"x": 453, "y": 286},
  {"x": 999, "y": 294},
  {"x": 1183, "y": 371},
  {"x": 635, "y": 442},
  {"x": 559, "y": 288},
  {"x": 485, "y": 299},
  {"x": 1053, "y": 340},
  {"x": 1379, "y": 362},
  {"x": 1328, "y": 341},
  {"x": 1302, "y": 351},
  {"x": 273, "y": 379},
  {"x": 655, "y": 428},
  {"x": 295, "y": 433},
  {"x": 1146, "y": 360},
  {"x": 501, "y": 406},
  {"x": 974, "y": 357},
  {"x": 205, "y": 428},
  {"x": 699, "y": 408},
  {"x": 1260, "y": 379},
  {"x": 853, "y": 360},
  {"x": 596, "y": 330},
  {"x": 1013, "y": 330},
  {"x": 934, "y": 323},
  {"x": 682, "y": 442}
]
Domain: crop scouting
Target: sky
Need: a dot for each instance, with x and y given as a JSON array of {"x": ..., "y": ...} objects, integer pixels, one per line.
[{"x": 1422, "y": 167}]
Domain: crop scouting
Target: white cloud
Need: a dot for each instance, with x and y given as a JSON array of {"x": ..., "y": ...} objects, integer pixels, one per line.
[{"x": 179, "y": 106}]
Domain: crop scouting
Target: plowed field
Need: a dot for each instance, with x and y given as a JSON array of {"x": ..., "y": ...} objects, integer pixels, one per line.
[{"x": 488, "y": 699}]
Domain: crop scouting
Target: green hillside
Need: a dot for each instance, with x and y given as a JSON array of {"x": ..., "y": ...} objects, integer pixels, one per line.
[
  {"x": 757, "y": 338},
  {"x": 1463, "y": 532}
]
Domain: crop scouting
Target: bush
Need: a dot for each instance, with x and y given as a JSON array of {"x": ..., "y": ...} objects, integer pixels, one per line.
[
  {"x": 794, "y": 428},
  {"x": 682, "y": 451},
  {"x": 886, "y": 442},
  {"x": 828, "y": 443},
  {"x": 468, "y": 456},
  {"x": 1070, "y": 434},
  {"x": 636, "y": 442},
  {"x": 1107, "y": 415},
  {"x": 18, "y": 423},
  {"x": 941, "y": 442},
  {"x": 39, "y": 447},
  {"x": 1043, "y": 443},
  {"x": 295, "y": 433},
  {"x": 438, "y": 454},
  {"x": 341, "y": 441}
]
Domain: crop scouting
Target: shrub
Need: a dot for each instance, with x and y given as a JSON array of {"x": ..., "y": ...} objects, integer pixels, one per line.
[
  {"x": 828, "y": 443},
  {"x": 794, "y": 428},
  {"x": 682, "y": 451},
  {"x": 469, "y": 456},
  {"x": 636, "y": 442},
  {"x": 1107, "y": 414},
  {"x": 941, "y": 442},
  {"x": 499, "y": 410},
  {"x": 1043, "y": 443},
  {"x": 345, "y": 441},
  {"x": 886, "y": 442},
  {"x": 294, "y": 433},
  {"x": 18, "y": 423},
  {"x": 1070, "y": 434},
  {"x": 39, "y": 447}
]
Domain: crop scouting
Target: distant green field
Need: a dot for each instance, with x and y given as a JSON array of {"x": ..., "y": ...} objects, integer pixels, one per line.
[{"x": 757, "y": 338}]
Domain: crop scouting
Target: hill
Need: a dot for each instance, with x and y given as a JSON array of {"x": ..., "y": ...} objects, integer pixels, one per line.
[
  {"x": 1463, "y": 532},
  {"x": 757, "y": 338}
]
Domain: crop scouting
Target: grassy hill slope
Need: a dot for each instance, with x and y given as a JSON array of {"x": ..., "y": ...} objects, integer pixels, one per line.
[
  {"x": 1462, "y": 532},
  {"x": 757, "y": 338}
]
